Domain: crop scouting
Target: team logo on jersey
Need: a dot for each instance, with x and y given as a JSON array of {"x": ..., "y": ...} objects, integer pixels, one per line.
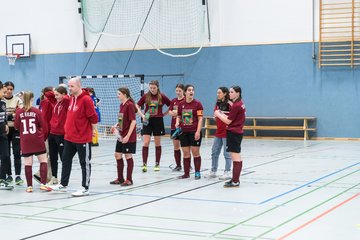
[
  {"x": 120, "y": 121},
  {"x": 153, "y": 108},
  {"x": 187, "y": 117},
  {"x": 3, "y": 107}
]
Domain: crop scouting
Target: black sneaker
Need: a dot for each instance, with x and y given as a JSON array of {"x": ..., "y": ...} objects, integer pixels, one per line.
[
  {"x": 37, "y": 178},
  {"x": 18, "y": 180},
  {"x": 177, "y": 169},
  {"x": 9, "y": 179},
  {"x": 5, "y": 185},
  {"x": 197, "y": 175},
  {"x": 231, "y": 184}
]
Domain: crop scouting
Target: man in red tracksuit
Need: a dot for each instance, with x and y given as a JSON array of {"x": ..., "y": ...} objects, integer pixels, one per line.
[{"x": 80, "y": 125}]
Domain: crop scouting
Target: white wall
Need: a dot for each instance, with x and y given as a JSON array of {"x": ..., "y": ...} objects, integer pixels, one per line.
[
  {"x": 55, "y": 25},
  {"x": 265, "y": 21}
]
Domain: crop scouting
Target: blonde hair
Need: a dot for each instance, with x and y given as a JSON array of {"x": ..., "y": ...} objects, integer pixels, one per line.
[{"x": 28, "y": 96}]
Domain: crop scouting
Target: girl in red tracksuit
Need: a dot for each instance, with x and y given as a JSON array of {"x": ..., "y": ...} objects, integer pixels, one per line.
[
  {"x": 30, "y": 123},
  {"x": 126, "y": 143},
  {"x": 57, "y": 132},
  {"x": 234, "y": 133}
]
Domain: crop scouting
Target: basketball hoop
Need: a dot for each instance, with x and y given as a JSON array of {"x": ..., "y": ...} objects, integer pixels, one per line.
[{"x": 12, "y": 58}]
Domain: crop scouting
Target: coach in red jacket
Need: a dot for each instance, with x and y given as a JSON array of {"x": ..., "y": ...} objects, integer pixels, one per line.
[{"x": 81, "y": 123}]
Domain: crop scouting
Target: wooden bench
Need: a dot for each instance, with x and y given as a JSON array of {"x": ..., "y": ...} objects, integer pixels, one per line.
[{"x": 256, "y": 124}]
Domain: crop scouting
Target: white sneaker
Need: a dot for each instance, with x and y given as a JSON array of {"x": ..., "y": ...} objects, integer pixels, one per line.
[
  {"x": 81, "y": 193},
  {"x": 225, "y": 176},
  {"x": 212, "y": 174},
  {"x": 53, "y": 181},
  {"x": 59, "y": 188}
]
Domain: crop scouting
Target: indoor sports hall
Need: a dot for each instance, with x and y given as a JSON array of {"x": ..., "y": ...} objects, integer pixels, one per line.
[{"x": 297, "y": 64}]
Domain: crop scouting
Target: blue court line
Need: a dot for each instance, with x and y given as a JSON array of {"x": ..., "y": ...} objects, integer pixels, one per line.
[
  {"x": 239, "y": 202},
  {"x": 306, "y": 184}
]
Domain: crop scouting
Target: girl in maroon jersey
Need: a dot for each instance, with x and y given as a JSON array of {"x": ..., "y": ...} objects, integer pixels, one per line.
[
  {"x": 57, "y": 132},
  {"x": 32, "y": 129},
  {"x": 153, "y": 100},
  {"x": 234, "y": 133},
  {"x": 222, "y": 104},
  {"x": 179, "y": 90},
  {"x": 126, "y": 143},
  {"x": 190, "y": 116}
]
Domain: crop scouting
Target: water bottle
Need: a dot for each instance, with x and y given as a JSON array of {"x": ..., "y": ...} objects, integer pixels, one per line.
[{"x": 146, "y": 121}]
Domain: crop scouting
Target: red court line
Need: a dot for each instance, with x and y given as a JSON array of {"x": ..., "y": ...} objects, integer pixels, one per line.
[{"x": 318, "y": 217}]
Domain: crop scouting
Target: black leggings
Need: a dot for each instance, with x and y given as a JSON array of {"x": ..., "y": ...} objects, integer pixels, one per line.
[
  {"x": 56, "y": 148},
  {"x": 14, "y": 141},
  {"x": 4, "y": 156}
]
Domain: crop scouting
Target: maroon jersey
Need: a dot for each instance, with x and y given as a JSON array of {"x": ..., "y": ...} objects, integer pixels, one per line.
[
  {"x": 154, "y": 108},
  {"x": 174, "y": 106},
  {"x": 32, "y": 128},
  {"x": 189, "y": 114},
  {"x": 237, "y": 116},
  {"x": 126, "y": 115},
  {"x": 220, "y": 125}
]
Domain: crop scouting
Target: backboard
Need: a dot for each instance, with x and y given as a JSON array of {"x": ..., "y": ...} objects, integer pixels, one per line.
[{"x": 18, "y": 44}]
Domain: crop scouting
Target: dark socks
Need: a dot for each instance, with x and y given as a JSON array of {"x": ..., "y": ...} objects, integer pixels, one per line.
[
  {"x": 157, "y": 154},
  {"x": 237, "y": 166},
  {"x": 177, "y": 155},
  {"x": 120, "y": 169},
  {"x": 130, "y": 167},
  {"x": 197, "y": 163},
  {"x": 187, "y": 166},
  {"x": 28, "y": 175},
  {"x": 43, "y": 172},
  {"x": 145, "y": 154}
]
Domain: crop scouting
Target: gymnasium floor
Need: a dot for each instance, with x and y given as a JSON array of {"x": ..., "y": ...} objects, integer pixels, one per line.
[{"x": 289, "y": 190}]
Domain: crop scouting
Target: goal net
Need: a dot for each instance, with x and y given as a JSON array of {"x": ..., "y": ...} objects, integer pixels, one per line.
[
  {"x": 173, "y": 27},
  {"x": 105, "y": 87}
]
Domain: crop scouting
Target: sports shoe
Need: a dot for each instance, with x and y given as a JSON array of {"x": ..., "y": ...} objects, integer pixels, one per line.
[
  {"x": 37, "y": 178},
  {"x": 157, "y": 168},
  {"x": 126, "y": 183},
  {"x": 183, "y": 176},
  {"x": 225, "y": 176},
  {"x": 5, "y": 185},
  {"x": 45, "y": 188},
  {"x": 116, "y": 182},
  {"x": 177, "y": 169},
  {"x": 231, "y": 184},
  {"x": 212, "y": 174},
  {"x": 9, "y": 179},
  {"x": 53, "y": 181},
  {"x": 18, "y": 180},
  {"x": 144, "y": 168},
  {"x": 58, "y": 188},
  {"x": 197, "y": 175},
  {"x": 29, "y": 189},
  {"x": 81, "y": 193}
]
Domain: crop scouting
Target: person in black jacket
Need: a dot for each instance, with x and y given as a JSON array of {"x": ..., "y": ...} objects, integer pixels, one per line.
[{"x": 4, "y": 148}]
